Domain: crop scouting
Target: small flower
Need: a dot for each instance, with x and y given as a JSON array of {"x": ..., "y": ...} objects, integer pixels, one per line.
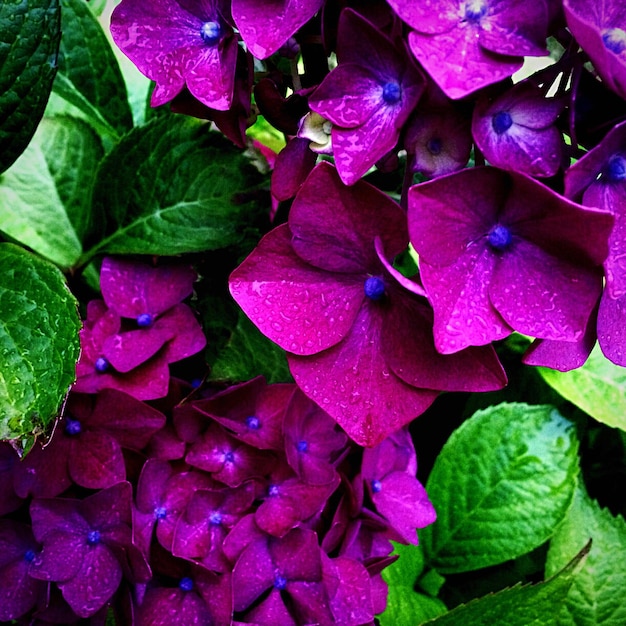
[
  {"x": 517, "y": 131},
  {"x": 368, "y": 97},
  {"x": 178, "y": 44}
]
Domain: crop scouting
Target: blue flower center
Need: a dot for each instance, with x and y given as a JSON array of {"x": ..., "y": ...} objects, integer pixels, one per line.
[
  {"x": 160, "y": 512},
  {"x": 215, "y": 518},
  {"x": 272, "y": 490},
  {"x": 616, "y": 168},
  {"x": 500, "y": 237},
  {"x": 392, "y": 93},
  {"x": 434, "y": 146},
  {"x": 280, "y": 582},
  {"x": 93, "y": 538},
  {"x": 614, "y": 40},
  {"x": 376, "y": 486},
  {"x": 302, "y": 446},
  {"x": 229, "y": 457},
  {"x": 374, "y": 288},
  {"x": 72, "y": 427},
  {"x": 29, "y": 556},
  {"x": 144, "y": 320},
  {"x": 501, "y": 122},
  {"x": 475, "y": 10},
  {"x": 211, "y": 33},
  {"x": 186, "y": 584},
  {"x": 253, "y": 423},
  {"x": 102, "y": 365}
]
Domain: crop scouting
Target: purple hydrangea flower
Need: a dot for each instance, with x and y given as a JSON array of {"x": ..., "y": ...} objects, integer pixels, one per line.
[
  {"x": 86, "y": 446},
  {"x": 598, "y": 179},
  {"x": 468, "y": 44},
  {"x": 279, "y": 19},
  {"x": 600, "y": 28},
  {"x": 517, "y": 131},
  {"x": 19, "y": 592},
  {"x": 368, "y": 97},
  {"x": 501, "y": 252},
  {"x": 178, "y": 43},
  {"x": 358, "y": 343},
  {"x": 87, "y": 545}
]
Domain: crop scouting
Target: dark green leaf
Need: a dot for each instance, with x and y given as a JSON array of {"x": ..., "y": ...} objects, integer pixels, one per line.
[
  {"x": 172, "y": 187},
  {"x": 598, "y": 595},
  {"x": 89, "y": 76},
  {"x": 39, "y": 342},
  {"x": 531, "y": 605},
  {"x": 29, "y": 41},
  {"x": 500, "y": 485}
]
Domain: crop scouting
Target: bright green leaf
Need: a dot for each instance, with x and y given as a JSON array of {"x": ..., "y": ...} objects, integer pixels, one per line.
[
  {"x": 597, "y": 388},
  {"x": 39, "y": 342},
  {"x": 531, "y": 605},
  {"x": 500, "y": 485},
  {"x": 173, "y": 186},
  {"x": 29, "y": 41},
  {"x": 598, "y": 595},
  {"x": 89, "y": 76},
  {"x": 31, "y": 211}
]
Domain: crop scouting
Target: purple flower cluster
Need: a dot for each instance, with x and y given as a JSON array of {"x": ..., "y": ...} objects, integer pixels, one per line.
[{"x": 243, "y": 505}]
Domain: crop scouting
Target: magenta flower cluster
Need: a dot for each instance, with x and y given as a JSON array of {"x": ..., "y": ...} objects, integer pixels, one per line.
[{"x": 245, "y": 505}]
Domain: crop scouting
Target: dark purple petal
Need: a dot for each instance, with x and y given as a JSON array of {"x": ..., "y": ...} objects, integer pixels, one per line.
[
  {"x": 9, "y": 463},
  {"x": 280, "y": 21},
  {"x": 187, "y": 337},
  {"x": 95, "y": 461},
  {"x": 612, "y": 328},
  {"x": 293, "y": 164},
  {"x": 272, "y": 610},
  {"x": 95, "y": 582},
  {"x": 301, "y": 308},
  {"x": 131, "y": 288},
  {"x": 297, "y": 556},
  {"x": 253, "y": 573},
  {"x": 543, "y": 296},
  {"x": 358, "y": 215},
  {"x": 353, "y": 383},
  {"x": 464, "y": 315},
  {"x": 127, "y": 351}
]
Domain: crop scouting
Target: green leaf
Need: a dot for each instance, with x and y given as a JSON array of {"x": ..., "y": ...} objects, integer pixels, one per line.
[
  {"x": 172, "y": 187},
  {"x": 249, "y": 353},
  {"x": 500, "y": 485},
  {"x": 405, "y": 605},
  {"x": 89, "y": 76},
  {"x": 597, "y": 388},
  {"x": 39, "y": 342},
  {"x": 29, "y": 41},
  {"x": 72, "y": 151},
  {"x": 32, "y": 212},
  {"x": 598, "y": 595},
  {"x": 531, "y": 605}
]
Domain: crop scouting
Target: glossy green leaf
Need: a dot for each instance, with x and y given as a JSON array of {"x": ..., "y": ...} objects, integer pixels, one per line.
[
  {"x": 173, "y": 186},
  {"x": 598, "y": 595},
  {"x": 39, "y": 342},
  {"x": 500, "y": 485},
  {"x": 531, "y": 605},
  {"x": 29, "y": 42},
  {"x": 32, "y": 212},
  {"x": 89, "y": 76},
  {"x": 597, "y": 388}
]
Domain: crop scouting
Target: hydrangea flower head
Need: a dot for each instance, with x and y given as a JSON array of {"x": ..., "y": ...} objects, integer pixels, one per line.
[
  {"x": 367, "y": 97},
  {"x": 178, "y": 43},
  {"x": 358, "y": 343},
  {"x": 501, "y": 252},
  {"x": 468, "y": 44}
]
